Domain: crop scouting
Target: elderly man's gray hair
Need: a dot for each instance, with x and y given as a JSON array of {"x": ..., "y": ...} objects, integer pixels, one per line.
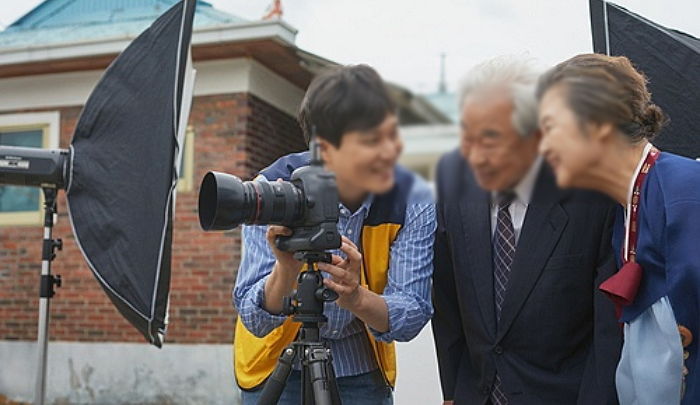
[{"x": 516, "y": 74}]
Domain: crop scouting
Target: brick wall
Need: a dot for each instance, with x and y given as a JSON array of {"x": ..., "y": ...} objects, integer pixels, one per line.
[{"x": 238, "y": 134}]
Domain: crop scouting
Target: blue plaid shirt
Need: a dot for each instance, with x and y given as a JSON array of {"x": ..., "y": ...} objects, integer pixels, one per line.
[{"x": 407, "y": 293}]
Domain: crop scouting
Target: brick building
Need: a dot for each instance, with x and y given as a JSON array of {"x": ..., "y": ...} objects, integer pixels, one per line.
[{"x": 250, "y": 80}]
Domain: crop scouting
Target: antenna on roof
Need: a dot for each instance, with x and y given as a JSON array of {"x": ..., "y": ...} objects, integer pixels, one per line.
[
  {"x": 274, "y": 10},
  {"x": 442, "y": 86}
]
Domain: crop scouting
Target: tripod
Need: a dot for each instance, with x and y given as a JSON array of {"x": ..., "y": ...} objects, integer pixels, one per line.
[{"x": 318, "y": 385}]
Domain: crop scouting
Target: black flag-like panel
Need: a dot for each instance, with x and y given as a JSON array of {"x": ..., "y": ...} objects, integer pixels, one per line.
[
  {"x": 124, "y": 157},
  {"x": 671, "y": 61}
]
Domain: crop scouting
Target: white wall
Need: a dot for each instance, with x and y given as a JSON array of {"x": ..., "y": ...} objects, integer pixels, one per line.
[
  {"x": 418, "y": 381},
  {"x": 121, "y": 373},
  {"x": 213, "y": 77},
  {"x": 130, "y": 373}
]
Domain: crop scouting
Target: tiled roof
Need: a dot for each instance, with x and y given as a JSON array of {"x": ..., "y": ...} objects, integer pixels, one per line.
[{"x": 72, "y": 21}]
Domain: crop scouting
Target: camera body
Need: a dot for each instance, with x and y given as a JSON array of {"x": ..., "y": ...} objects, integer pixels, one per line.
[
  {"x": 307, "y": 204},
  {"x": 316, "y": 229}
]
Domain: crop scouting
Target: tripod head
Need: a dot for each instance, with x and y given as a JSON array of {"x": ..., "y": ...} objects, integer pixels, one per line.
[{"x": 306, "y": 302}]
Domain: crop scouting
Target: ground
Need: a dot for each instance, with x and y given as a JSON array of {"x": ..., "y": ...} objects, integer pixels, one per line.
[{"x": 5, "y": 401}]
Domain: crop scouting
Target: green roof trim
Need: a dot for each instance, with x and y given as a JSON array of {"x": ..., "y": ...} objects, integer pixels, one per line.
[
  {"x": 445, "y": 102},
  {"x": 56, "y": 22}
]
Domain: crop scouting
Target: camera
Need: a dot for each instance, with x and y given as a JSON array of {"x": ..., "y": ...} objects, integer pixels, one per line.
[{"x": 307, "y": 204}]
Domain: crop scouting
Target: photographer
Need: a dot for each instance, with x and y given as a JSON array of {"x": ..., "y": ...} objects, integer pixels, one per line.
[{"x": 382, "y": 270}]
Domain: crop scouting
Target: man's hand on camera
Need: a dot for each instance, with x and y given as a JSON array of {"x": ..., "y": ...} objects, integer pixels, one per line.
[
  {"x": 286, "y": 260},
  {"x": 345, "y": 275},
  {"x": 284, "y": 274},
  {"x": 345, "y": 280}
]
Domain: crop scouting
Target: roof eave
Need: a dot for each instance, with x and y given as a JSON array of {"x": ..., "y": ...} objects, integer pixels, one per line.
[{"x": 275, "y": 29}]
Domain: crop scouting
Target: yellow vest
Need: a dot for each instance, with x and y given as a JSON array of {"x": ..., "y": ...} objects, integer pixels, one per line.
[{"x": 255, "y": 358}]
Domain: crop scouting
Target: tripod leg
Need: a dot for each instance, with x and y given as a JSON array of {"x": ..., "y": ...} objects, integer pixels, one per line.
[
  {"x": 307, "y": 393},
  {"x": 275, "y": 384},
  {"x": 335, "y": 395},
  {"x": 318, "y": 361}
]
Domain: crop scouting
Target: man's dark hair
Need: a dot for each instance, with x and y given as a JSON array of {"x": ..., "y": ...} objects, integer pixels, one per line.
[{"x": 347, "y": 98}]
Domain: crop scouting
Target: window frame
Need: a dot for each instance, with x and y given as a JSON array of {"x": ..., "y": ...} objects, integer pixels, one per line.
[
  {"x": 49, "y": 123},
  {"x": 184, "y": 182}
]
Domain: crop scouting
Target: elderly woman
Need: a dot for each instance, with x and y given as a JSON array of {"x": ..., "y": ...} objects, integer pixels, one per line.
[{"x": 597, "y": 119}]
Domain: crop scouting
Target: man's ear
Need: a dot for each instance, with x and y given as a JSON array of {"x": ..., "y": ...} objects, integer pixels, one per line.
[{"x": 324, "y": 146}]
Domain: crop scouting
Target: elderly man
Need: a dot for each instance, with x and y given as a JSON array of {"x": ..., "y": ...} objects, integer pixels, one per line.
[{"x": 518, "y": 318}]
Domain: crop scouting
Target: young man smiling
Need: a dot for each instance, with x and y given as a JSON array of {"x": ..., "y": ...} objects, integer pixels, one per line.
[{"x": 382, "y": 270}]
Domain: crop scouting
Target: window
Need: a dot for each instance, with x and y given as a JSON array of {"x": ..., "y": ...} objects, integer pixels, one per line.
[
  {"x": 184, "y": 182},
  {"x": 23, "y": 205}
]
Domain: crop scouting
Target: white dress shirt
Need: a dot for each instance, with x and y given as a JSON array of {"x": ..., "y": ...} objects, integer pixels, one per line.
[{"x": 523, "y": 194}]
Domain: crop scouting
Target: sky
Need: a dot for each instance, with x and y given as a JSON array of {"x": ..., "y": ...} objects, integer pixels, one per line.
[{"x": 403, "y": 40}]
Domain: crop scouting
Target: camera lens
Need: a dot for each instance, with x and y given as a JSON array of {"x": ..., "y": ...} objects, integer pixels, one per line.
[{"x": 226, "y": 202}]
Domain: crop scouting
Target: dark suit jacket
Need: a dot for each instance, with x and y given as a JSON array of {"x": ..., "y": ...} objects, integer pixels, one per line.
[{"x": 557, "y": 341}]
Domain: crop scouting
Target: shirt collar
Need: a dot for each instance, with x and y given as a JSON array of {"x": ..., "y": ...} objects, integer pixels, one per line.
[
  {"x": 647, "y": 148},
  {"x": 524, "y": 189},
  {"x": 363, "y": 210}
]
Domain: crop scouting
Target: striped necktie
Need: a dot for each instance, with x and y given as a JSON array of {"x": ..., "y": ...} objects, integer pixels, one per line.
[
  {"x": 503, "y": 253},
  {"x": 503, "y": 249}
]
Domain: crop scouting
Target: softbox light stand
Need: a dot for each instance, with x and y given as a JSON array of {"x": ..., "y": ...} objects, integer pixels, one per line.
[
  {"x": 128, "y": 141},
  {"x": 46, "y": 290},
  {"x": 670, "y": 60},
  {"x": 48, "y": 170}
]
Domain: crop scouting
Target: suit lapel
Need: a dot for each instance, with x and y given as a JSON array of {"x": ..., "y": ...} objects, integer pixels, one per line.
[
  {"x": 544, "y": 222},
  {"x": 476, "y": 227}
]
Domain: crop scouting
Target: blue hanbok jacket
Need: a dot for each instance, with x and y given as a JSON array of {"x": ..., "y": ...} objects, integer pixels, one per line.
[{"x": 668, "y": 249}]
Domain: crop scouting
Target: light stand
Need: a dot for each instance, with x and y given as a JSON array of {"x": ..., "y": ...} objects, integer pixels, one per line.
[{"x": 46, "y": 290}]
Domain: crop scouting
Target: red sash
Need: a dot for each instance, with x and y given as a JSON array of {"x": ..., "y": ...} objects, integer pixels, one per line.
[{"x": 622, "y": 287}]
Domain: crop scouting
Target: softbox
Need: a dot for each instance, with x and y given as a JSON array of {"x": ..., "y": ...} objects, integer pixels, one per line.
[
  {"x": 125, "y": 161},
  {"x": 671, "y": 61}
]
